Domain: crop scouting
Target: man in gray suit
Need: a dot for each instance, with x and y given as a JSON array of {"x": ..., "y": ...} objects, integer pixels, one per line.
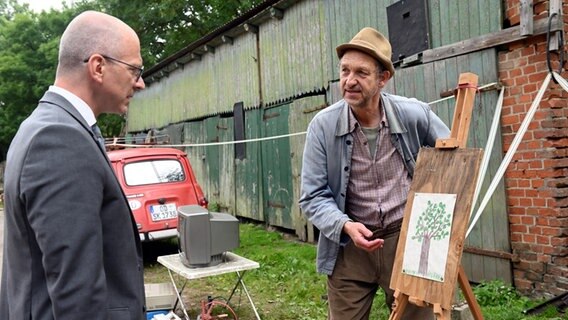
[{"x": 71, "y": 245}]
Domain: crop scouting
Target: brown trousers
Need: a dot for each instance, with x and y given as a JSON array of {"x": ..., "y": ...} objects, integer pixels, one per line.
[{"x": 356, "y": 278}]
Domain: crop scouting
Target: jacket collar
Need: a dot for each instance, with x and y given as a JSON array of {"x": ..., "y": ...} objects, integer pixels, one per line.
[
  {"x": 393, "y": 118},
  {"x": 59, "y": 101}
]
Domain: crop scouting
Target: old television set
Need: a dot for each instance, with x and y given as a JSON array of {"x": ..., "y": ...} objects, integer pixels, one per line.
[{"x": 204, "y": 237}]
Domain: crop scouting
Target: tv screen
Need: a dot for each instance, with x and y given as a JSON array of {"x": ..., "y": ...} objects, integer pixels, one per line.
[{"x": 205, "y": 236}]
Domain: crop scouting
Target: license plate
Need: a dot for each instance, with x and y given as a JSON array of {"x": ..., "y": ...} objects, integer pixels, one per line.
[{"x": 163, "y": 212}]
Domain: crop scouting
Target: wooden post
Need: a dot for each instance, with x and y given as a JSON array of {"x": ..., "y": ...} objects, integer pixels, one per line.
[
  {"x": 468, "y": 294},
  {"x": 527, "y": 17},
  {"x": 555, "y": 6},
  {"x": 467, "y": 87}
]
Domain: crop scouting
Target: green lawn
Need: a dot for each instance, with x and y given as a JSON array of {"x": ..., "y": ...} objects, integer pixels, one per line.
[{"x": 286, "y": 286}]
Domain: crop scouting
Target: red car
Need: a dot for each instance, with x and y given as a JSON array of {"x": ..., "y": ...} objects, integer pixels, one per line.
[{"x": 156, "y": 182}]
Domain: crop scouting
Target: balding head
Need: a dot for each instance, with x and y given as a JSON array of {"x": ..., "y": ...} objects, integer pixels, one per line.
[{"x": 89, "y": 33}]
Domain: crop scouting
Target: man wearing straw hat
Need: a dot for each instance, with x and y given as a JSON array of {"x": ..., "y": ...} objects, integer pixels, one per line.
[{"x": 358, "y": 163}]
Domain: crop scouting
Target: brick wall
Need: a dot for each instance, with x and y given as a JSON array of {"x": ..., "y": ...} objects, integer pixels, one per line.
[{"x": 537, "y": 178}]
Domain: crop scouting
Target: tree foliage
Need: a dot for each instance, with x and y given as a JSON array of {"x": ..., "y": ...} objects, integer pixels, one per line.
[
  {"x": 433, "y": 223},
  {"x": 29, "y": 44},
  {"x": 28, "y": 58},
  {"x": 166, "y": 26}
]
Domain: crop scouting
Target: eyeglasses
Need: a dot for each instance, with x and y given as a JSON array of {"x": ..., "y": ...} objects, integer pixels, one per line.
[{"x": 139, "y": 70}]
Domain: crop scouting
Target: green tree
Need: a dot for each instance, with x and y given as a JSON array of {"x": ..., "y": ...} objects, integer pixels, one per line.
[
  {"x": 28, "y": 57},
  {"x": 29, "y": 44},
  {"x": 166, "y": 26},
  {"x": 433, "y": 223}
]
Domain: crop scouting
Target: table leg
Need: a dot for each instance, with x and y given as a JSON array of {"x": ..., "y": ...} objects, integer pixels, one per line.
[
  {"x": 239, "y": 278},
  {"x": 248, "y": 295},
  {"x": 178, "y": 293}
]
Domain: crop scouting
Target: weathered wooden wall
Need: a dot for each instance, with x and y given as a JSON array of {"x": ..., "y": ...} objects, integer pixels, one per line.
[{"x": 284, "y": 70}]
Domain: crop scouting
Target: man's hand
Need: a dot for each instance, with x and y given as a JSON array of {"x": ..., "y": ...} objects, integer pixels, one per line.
[{"x": 360, "y": 236}]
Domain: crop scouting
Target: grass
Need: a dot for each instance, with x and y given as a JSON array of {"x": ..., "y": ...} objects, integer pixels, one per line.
[{"x": 286, "y": 286}]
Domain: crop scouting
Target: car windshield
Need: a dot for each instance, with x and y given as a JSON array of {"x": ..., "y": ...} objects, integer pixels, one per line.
[{"x": 154, "y": 171}]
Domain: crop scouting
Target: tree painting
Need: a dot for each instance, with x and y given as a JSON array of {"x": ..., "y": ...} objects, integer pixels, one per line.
[
  {"x": 433, "y": 223},
  {"x": 429, "y": 235}
]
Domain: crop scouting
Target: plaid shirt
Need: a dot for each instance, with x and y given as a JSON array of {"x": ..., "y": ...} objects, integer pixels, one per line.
[{"x": 378, "y": 185}]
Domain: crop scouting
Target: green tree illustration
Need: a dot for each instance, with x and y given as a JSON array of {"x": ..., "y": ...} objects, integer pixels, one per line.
[{"x": 433, "y": 223}]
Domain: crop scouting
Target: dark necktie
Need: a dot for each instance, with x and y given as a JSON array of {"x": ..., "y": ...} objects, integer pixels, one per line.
[{"x": 98, "y": 135}]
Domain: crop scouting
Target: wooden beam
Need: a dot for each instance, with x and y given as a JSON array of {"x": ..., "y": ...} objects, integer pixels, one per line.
[
  {"x": 276, "y": 13},
  {"x": 208, "y": 48},
  {"x": 226, "y": 39},
  {"x": 250, "y": 28},
  {"x": 555, "y": 6},
  {"x": 527, "y": 13},
  {"x": 490, "y": 40},
  {"x": 468, "y": 294},
  {"x": 467, "y": 86}
]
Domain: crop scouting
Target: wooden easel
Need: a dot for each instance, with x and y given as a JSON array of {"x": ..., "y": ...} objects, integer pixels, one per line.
[{"x": 424, "y": 292}]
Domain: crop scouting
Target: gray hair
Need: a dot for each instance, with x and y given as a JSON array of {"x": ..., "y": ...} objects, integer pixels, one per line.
[{"x": 89, "y": 33}]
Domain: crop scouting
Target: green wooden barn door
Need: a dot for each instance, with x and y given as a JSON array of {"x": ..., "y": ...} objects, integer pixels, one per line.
[
  {"x": 212, "y": 159},
  {"x": 276, "y": 168},
  {"x": 248, "y": 181}
]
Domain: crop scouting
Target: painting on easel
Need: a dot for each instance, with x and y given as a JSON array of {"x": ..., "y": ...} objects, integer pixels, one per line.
[{"x": 428, "y": 237}]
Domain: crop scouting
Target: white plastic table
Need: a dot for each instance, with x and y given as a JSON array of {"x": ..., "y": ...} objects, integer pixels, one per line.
[{"x": 232, "y": 263}]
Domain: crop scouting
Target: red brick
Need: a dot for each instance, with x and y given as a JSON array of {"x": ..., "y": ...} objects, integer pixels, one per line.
[
  {"x": 557, "y": 103},
  {"x": 529, "y": 88},
  {"x": 519, "y": 228},
  {"x": 515, "y": 219},
  {"x": 507, "y": 64},
  {"x": 551, "y": 231},
  {"x": 511, "y": 183},
  {"x": 537, "y": 183},
  {"x": 535, "y": 230},
  {"x": 522, "y": 80},
  {"x": 524, "y": 183},
  {"x": 532, "y": 210},
  {"x": 507, "y": 102},
  {"x": 541, "y": 134},
  {"x": 541, "y": 221},
  {"x": 531, "y": 193},
  {"x": 559, "y": 242},
  {"x": 529, "y": 70},
  {"x": 521, "y": 108},
  {"x": 510, "y": 119},
  {"x": 526, "y": 98},
  {"x": 536, "y": 58},
  {"x": 543, "y": 239},
  {"x": 514, "y": 90},
  {"x": 540, "y": 7},
  {"x": 513, "y": 73},
  {"x": 533, "y": 125},
  {"x": 521, "y": 62},
  {"x": 515, "y": 209},
  {"x": 529, "y": 238},
  {"x": 527, "y": 220},
  {"x": 539, "y": 202},
  {"x": 536, "y": 164}
]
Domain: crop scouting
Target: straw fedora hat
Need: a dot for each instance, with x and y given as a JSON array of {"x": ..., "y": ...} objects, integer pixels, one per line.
[{"x": 371, "y": 42}]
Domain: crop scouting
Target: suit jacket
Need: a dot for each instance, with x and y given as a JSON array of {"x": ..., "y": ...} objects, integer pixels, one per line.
[{"x": 72, "y": 250}]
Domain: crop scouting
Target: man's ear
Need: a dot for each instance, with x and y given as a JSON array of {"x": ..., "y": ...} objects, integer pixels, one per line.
[
  {"x": 95, "y": 67},
  {"x": 384, "y": 78}
]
